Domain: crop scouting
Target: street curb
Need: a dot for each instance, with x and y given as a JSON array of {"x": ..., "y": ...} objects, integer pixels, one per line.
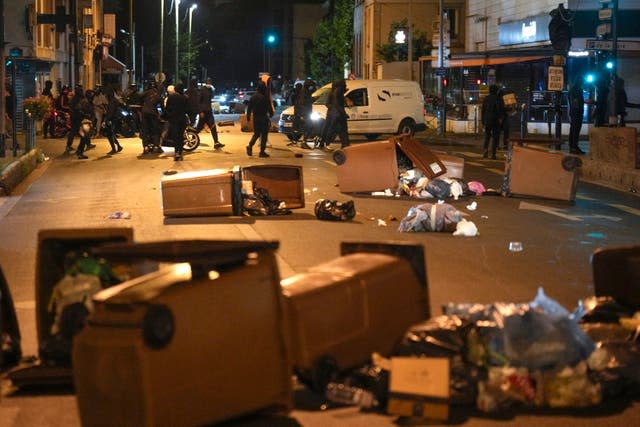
[{"x": 18, "y": 170}]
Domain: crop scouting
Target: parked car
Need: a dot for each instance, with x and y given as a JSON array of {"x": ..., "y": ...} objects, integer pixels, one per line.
[{"x": 374, "y": 106}]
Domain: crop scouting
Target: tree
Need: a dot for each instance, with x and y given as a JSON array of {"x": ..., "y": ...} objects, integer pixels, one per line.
[
  {"x": 332, "y": 43},
  {"x": 392, "y": 51}
]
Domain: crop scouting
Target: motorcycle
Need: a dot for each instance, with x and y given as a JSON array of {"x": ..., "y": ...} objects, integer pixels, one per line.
[
  {"x": 59, "y": 123},
  {"x": 126, "y": 122}
]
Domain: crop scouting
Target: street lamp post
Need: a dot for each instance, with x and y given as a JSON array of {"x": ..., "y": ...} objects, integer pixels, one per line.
[
  {"x": 175, "y": 78},
  {"x": 191, "y": 9},
  {"x": 160, "y": 65}
]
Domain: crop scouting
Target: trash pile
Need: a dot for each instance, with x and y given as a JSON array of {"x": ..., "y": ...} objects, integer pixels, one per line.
[
  {"x": 437, "y": 217},
  {"x": 501, "y": 357}
]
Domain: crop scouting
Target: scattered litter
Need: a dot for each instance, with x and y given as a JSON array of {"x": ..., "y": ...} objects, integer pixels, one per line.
[
  {"x": 120, "y": 215},
  {"x": 225, "y": 123},
  {"x": 392, "y": 218},
  {"x": 386, "y": 193},
  {"x": 472, "y": 206},
  {"x": 333, "y": 210},
  {"x": 170, "y": 172},
  {"x": 440, "y": 202},
  {"x": 515, "y": 246},
  {"x": 466, "y": 228},
  {"x": 484, "y": 217},
  {"x": 476, "y": 187},
  {"x": 382, "y": 223}
]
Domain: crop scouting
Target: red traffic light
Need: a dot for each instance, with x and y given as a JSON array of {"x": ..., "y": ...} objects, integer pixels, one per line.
[{"x": 444, "y": 82}]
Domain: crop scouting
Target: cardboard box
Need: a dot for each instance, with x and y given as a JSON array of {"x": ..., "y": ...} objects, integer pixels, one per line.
[
  {"x": 535, "y": 172},
  {"x": 192, "y": 344},
  {"x": 374, "y": 166},
  {"x": 454, "y": 166},
  {"x": 218, "y": 191},
  {"x": 618, "y": 145},
  {"x": 419, "y": 387},
  {"x": 347, "y": 308}
]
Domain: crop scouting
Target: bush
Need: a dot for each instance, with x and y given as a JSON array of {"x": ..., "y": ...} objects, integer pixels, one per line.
[{"x": 37, "y": 107}]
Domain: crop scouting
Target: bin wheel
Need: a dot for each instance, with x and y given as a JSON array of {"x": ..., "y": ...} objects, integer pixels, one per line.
[
  {"x": 158, "y": 327},
  {"x": 339, "y": 157},
  {"x": 571, "y": 163}
]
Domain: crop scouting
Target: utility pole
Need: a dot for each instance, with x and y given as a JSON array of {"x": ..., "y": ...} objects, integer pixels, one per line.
[
  {"x": 442, "y": 124},
  {"x": 132, "y": 46},
  {"x": 177, "y": 5},
  {"x": 410, "y": 42}
]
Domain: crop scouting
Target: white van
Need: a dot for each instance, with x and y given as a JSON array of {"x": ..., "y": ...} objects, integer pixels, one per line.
[{"x": 374, "y": 106}]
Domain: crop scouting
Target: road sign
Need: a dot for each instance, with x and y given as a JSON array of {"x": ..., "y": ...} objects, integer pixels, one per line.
[
  {"x": 593, "y": 44},
  {"x": 556, "y": 78},
  {"x": 603, "y": 29},
  {"x": 441, "y": 71}
]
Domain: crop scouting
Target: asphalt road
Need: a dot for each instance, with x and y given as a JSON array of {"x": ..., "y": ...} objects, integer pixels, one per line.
[{"x": 558, "y": 239}]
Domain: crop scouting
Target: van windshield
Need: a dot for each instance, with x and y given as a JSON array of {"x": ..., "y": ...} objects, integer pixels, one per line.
[{"x": 321, "y": 96}]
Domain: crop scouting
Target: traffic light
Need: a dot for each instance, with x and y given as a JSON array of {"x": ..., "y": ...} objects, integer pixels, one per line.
[
  {"x": 271, "y": 39},
  {"x": 590, "y": 78},
  {"x": 609, "y": 65},
  {"x": 444, "y": 82}
]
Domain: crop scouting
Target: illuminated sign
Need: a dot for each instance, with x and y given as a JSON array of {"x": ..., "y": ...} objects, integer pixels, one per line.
[{"x": 529, "y": 30}]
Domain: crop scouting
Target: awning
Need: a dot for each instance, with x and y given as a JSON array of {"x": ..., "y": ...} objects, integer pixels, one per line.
[
  {"x": 112, "y": 66},
  {"x": 479, "y": 61}
]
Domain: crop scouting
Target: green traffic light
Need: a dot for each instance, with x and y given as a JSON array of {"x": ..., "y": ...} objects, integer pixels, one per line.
[
  {"x": 590, "y": 78},
  {"x": 609, "y": 65},
  {"x": 271, "y": 39}
]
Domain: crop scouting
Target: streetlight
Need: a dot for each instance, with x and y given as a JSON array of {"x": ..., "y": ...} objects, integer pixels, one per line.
[
  {"x": 268, "y": 43},
  {"x": 175, "y": 78},
  {"x": 191, "y": 9}
]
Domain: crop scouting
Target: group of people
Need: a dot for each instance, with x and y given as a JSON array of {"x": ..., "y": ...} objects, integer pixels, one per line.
[
  {"x": 93, "y": 113},
  {"x": 335, "y": 123},
  {"x": 88, "y": 110},
  {"x": 177, "y": 110},
  {"x": 496, "y": 113}
]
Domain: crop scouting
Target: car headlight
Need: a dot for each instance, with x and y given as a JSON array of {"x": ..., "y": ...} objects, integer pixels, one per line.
[{"x": 315, "y": 116}]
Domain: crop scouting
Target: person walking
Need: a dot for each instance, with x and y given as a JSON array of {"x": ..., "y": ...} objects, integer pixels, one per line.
[
  {"x": 491, "y": 122},
  {"x": 100, "y": 103},
  {"x": 193, "y": 101},
  {"x": 336, "y": 122},
  {"x": 151, "y": 129},
  {"x": 48, "y": 121},
  {"x": 206, "y": 113},
  {"x": 109, "y": 117},
  {"x": 576, "y": 110},
  {"x": 80, "y": 110},
  {"x": 298, "y": 112},
  {"x": 176, "y": 111},
  {"x": 260, "y": 110}
]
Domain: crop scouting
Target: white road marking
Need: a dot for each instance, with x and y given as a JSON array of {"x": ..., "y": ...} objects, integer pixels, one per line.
[
  {"x": 549, "y": 210},
  {"x": 625, "y": 208}
]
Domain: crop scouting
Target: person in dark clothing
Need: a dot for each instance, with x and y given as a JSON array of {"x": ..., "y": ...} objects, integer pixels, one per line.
[
  {"x": 151, "y": 129},
  {"x": 109, "y": 118},
  {"x": 193, "y": 101},
  {"x": 576, "y": 110},
  {"x": 298, "y": 110},
  {"x": 309, "y": 89},
  {"x": 176, "y": 110},
  {"x": 508, "y": 107},
  {"x": 47, "y": 123},
  {"x": 336, "y": 121},
  {"x": 491, "y": 122},
  {"x": 260, "y": 110},
  {"x": 80, "y": 110},
  {"x": 206, "y": 113},
  {"x": 602, "y": 93}
]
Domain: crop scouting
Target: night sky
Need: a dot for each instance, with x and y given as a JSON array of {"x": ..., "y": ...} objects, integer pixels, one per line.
[{"x": 232, "y": 32}]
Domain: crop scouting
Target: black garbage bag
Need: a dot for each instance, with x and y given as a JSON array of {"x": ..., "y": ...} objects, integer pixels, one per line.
[
  {"x": 333, "y": 210},
  {"x": 438, "y": 188},
  {"x": 260, "y": 203},
  {"x": 604, "y": 310}
]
